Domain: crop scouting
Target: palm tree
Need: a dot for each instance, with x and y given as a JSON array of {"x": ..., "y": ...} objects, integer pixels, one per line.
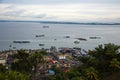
[
  {"x": 91, "y": 74},
  {"x": 103, "y": 55},
  {"x": 106, "y": 51},
  {"x": 115, "y": 64}
]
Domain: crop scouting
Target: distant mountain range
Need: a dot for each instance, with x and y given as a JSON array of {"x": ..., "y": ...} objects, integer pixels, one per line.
[{"x": 62, "y": 22}]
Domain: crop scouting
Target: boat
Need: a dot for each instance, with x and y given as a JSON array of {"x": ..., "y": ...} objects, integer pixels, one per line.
[
  {"x": 67, "y": 36},
  {"x": 14, "y": 47},
  {"x": 95, "y": 37},
  {"x": 40, "y": 35},
  {"x": 82, "y": 39},
  {"x": 10, "y": 45},
  {"x": 45, "y": 26},
  {"x": 21, "y": 42},
  {"x": 76, "y": 42},
  {"x": 41, "y": 44}
]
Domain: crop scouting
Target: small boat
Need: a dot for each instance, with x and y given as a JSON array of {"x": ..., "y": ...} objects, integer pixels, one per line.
[
  {"x": 10, "y": 45},
  {"x": 55, "y": 39},
  {"x": 14, "y": 47},
  {"x": 67, "y": 36},
  {"x": 82, "y": 39},
  {"x": 41, "y": 44},
  {"x": 45, "y": 26},
  {"x": 21, "y": 42},
  {"x": 76, "y": 42},
  {"x": 95, "y": 37},
  {"x": 40, "y": 35}
]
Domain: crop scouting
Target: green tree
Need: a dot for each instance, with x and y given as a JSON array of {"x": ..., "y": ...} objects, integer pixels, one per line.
[
  {"x": 91, "y": 74},
  {"x": 106, "y": 51},
  {"x": 115, "y": 64},
  {"x": 21, "y": 62},
  {"x": 103, "y": 55},
  {"x": 2, "y": 77},
  {"x": 43, "y": 52},
  {"x": 2, "y": 68},
  {"x": 78, "y": 78},
  {"x": 73, "y": 73},
  {"x": 36, "y": 59},
  {"x": 13, "y": 75}
]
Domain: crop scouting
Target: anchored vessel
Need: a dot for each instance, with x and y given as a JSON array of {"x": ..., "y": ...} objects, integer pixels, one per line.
[{"x": 21, "y": 42}]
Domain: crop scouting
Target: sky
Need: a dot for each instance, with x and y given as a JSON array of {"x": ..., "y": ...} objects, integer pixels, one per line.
[{"x": 61, "y": 10}]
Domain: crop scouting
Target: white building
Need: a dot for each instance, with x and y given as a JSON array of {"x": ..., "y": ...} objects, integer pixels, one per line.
[{"x": 2, "y": 61}]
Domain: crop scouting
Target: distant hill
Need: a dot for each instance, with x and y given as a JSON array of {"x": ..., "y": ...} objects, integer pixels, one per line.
[{"x": 62, "y": 22}]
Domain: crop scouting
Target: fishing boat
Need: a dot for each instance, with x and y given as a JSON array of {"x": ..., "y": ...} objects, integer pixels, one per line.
[
  {"x": 41, "y": 44},
  {"x": 95, "y": 37},
  {"x": 76, "y": 42},
  {"x": 40, "y": 35},
  {"x": 45, "y": 26},
  {"x": 82, "y": 39},
  {"x": 21, "y": 42}
]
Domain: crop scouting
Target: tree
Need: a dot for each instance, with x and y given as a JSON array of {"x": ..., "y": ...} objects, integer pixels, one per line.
[
  {"x": 78, "y": 78},
  {"x": 91, "y": 74},
  {"x": 43, "y": 52},
  {"x": 21, "y": 62},
  {"x": 2, "y": 68},
  {"x": 13, "y": 75},
  {"x": 107, "y": 51},
  {"x": 35, "y": 59},
  {"x": 2, "y": 76},
  {"x": 103, "y": 55},
  {"x": 115, "y": 64}
]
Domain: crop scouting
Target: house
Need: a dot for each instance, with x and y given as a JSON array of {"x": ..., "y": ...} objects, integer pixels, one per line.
[
  {"x": 62, "y": 56},
  {"x": 2, "y": 61}
]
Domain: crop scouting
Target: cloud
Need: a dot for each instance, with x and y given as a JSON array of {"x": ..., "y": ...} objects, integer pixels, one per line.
[
  {"x": 13, "y": 13},
  {"x": 64, "y": 12},
  {"x": 23, "y": 12}
]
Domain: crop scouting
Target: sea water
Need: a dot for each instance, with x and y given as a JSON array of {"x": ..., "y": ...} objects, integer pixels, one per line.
[{"x": 55, "y": 35}]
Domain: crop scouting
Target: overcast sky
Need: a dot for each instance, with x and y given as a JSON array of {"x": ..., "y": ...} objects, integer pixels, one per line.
[{"x": 61, "y": 10}]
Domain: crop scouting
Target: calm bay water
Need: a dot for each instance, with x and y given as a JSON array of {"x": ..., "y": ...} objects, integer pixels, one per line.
[{"x": 54, "y": 35}]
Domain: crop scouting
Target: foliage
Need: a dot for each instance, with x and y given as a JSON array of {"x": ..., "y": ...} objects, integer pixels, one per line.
[
  {"x": 35, "y": 59},
  {"x": 13, "y": 75},
  {"x": 2, "y": 68},
  {"x": 91, "y": 73},
  {"x": 106, "y": 58},
  {"x": 115, "y": 64},
  {"x": 21, "y": 62}
]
